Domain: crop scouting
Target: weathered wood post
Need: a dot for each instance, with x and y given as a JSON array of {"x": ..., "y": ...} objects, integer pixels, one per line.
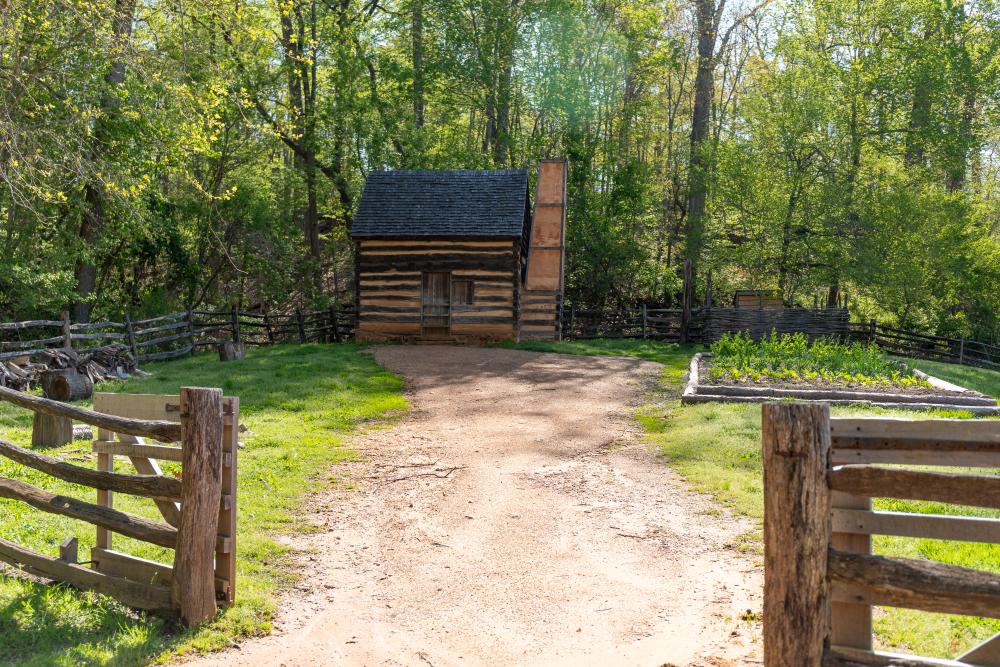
[
  {"x": 267, "y": 326},
  {"x": 234, "y": 318},
  {"x": 872, "y": 331},
  {"x": 69, "y": 550},
  {"x": 797, "y": 531},
  {"x": 130, "y": 335},
  {"x": 572, "y": 321},
  {"x": 189, "y": 318},
  {"x": 192, "y": 590},
  {"x": 961, "y": 350},
  {"x": 233, "y": 350},
  {"x": 302, "y": 326},
  {"x": 333, "y": 323},
  {"x": 67, "y": 330}
]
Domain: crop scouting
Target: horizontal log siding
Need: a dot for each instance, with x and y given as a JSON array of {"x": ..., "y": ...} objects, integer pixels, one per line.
[{"x": 389, "y": 286}]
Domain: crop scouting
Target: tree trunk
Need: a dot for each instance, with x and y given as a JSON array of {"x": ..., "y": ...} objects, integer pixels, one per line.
[
  {"x": 93, "y": 217},
  {"x": 920, "y": 114},
  {"x": 417, "y": 29},
  {"x": 704, "y": 90}
]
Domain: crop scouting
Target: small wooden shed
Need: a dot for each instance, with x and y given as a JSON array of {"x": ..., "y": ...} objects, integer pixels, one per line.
[
  {"x": 757, "y": 298},
  {"x": 442, "y": 256}
]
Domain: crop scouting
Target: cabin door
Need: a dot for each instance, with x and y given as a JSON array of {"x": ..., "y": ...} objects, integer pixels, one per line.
[{"x": 435, "y": 305}]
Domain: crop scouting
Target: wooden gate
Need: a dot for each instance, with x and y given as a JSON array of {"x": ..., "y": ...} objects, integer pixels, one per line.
[
  {"x": 435, "y": 310},
  {"x": 199, "y": 510},
  {"x": 821, "y": 580}
]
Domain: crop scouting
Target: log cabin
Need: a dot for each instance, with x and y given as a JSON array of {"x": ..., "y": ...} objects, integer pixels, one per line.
[{"x": 460, "y": 256}]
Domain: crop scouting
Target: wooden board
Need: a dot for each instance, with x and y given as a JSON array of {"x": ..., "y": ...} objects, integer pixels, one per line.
[
  {"x": 435, "y": 303},
  {"x": 131, "y": 593},
  {"x": 139, "y": 406},
  {"x": 544, "y": 269},
  {"x": 851, "y": 622}
]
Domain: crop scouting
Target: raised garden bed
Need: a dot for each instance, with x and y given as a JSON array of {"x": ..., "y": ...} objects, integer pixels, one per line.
[{"x": 789, "y": 367}]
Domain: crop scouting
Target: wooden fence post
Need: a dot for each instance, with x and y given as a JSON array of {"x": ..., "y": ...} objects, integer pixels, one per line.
[
  {"x": 189, "y": 317},
  {"x": 643, "y": 321},
  {"x": 67, "y": 331},
  {"x": 302, "y": 326},
  {"x": 130, "y": 335},
  {"x": 797, "y": 532},
  {"x": 267, "y": 326},
  {"x": 961, "y": 350},
  {"x": 572, "y": 321},
  {"x": 192, "y": 590},
  {"x": 333, "y": 323},
  {"x": 872, "y": 331},
  {"x": 235, "y": 323}
]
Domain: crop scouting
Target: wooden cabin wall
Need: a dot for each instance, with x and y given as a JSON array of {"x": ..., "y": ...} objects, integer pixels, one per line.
[{"x": 390, "y": 278}]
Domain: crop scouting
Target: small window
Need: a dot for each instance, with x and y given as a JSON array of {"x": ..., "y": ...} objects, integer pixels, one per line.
[{"x": 461, "y": 292}]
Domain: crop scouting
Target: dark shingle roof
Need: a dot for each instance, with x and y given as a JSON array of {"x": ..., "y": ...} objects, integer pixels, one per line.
[{"x": 443, "y": 203}]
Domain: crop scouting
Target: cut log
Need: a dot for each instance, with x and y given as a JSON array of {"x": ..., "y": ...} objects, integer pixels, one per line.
[
  {"x": 230, "y": 351},
  {"x": 51, "y": 431},
  {"x": 66, "y": 384}
]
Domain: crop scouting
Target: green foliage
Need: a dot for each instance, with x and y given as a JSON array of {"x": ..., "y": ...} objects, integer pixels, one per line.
[
  {"x": 792, "y": 358},
  {"x": 851, "y": 147},
  {"x": 299, "y": 403}
]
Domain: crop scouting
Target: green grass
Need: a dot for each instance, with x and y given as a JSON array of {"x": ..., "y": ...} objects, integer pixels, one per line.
[
  {"x": 979, "y": 379},
  {"x": 717, "y": 448},
  {"x": 298, "y": 402}
]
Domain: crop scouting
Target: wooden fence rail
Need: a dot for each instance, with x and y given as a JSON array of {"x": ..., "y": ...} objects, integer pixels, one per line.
[
  {"x": 820, "y": 579},
  {"x": 709, "y": 324},
  {"x": 198, "y": 510},
  {"x": 176, "y": 334}
]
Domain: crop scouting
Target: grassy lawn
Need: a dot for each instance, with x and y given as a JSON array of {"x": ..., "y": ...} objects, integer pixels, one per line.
[
  {"x": 298, "y": 403},
  {"x": 979, "y": 379},
  {"x": 717, "y": 448}
]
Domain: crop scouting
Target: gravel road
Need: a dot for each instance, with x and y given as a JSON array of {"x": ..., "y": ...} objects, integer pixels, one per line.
[{"x": 514, "y": 517}]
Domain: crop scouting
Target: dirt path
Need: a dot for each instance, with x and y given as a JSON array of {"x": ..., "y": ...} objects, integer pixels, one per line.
[{"x": 513, "y": 518}]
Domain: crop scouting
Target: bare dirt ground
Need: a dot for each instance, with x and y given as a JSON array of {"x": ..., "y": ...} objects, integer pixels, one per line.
[{"x": 514, "y": 517}]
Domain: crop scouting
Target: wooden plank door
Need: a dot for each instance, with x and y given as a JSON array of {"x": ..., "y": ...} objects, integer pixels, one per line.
[{"x": 435, "y": 305}]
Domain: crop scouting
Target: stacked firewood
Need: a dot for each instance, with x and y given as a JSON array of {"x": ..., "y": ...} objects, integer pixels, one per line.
[{"x": 99, "y": 364}]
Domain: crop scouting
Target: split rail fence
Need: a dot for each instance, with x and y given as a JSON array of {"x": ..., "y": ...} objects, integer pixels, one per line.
[
  {"x": 925, "y": 346},
  {"x": 708, "y": 325},
  {"x": 176, "y": 334},
  {"x": 198, "y": 510},
  {"x": 821, "y": 579}
]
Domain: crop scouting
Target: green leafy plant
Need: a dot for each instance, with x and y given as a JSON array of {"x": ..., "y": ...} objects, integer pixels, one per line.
[{"x": 793, "y": 358}]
